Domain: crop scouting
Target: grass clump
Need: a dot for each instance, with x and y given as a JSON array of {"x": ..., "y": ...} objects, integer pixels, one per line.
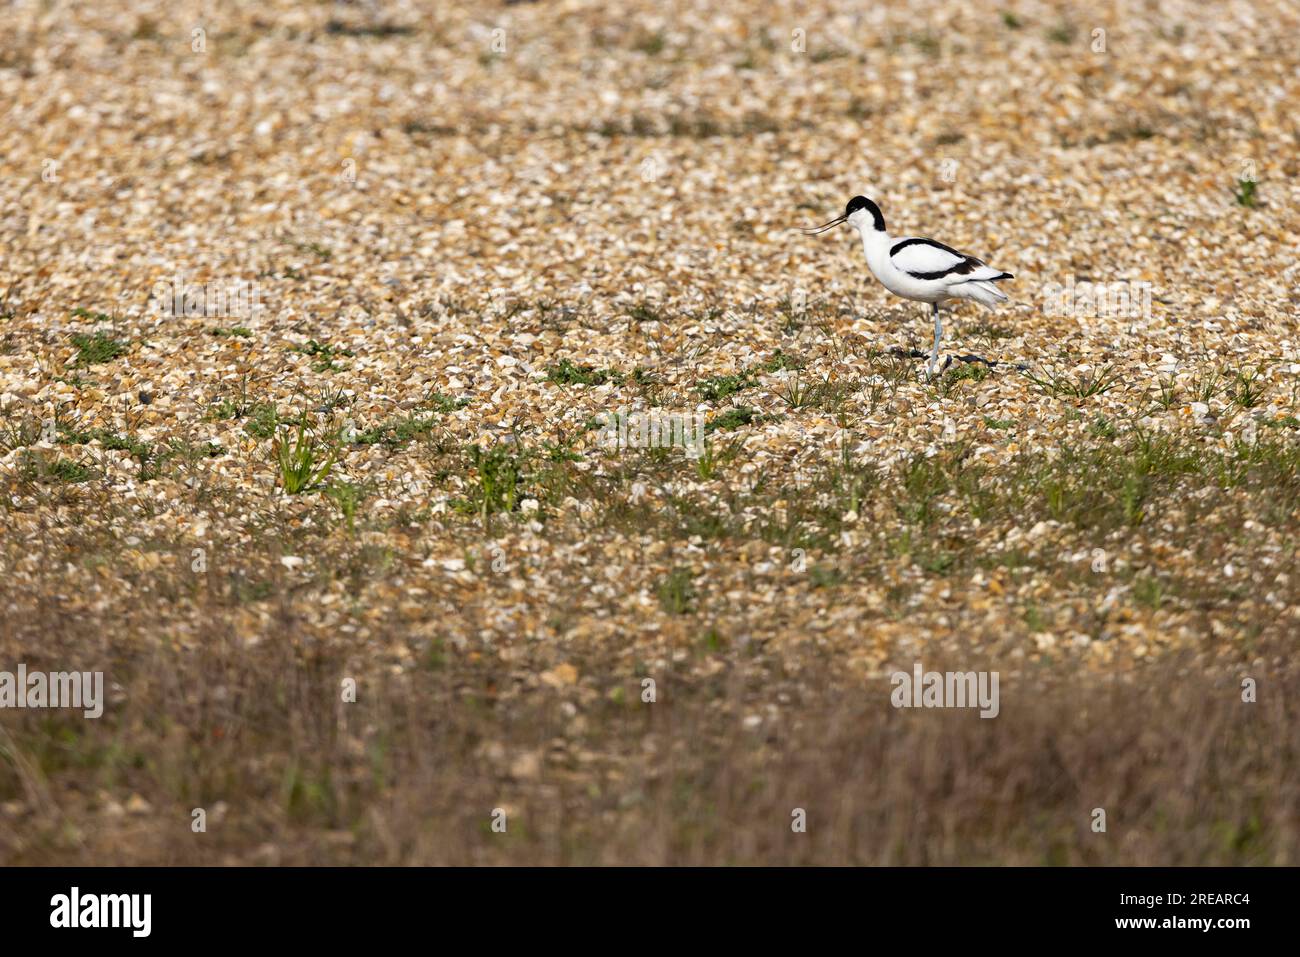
[
  {"x": 97, "y": 348},
  {"x": 715, "y": 388},
  {"x": 1247, "y": 389},
  {"x": 712, "y": 459},
  {"x": 650, "y": 43},
  {"x": 1063, "y": 33},
  {"x": 347, "y": 497},
  {"x": 967, "y": 372},
  {"x": 262, "y": 420},
  {"x": 1085, "y": 385},
  {"x": 567, "y": 372},
  {"x": 645, "y": 311},
  {"x": 435, "y": 401},
  {"x": 305, "y": 464},
  {"x": 61, "y": 471},
  {"x": 732, "y": 419},
  {"x": 324, "y": 354},
  {"x": 781, "y": 362},
  {"x": 676, "y": 592},
  {"x": 1245, "y": 193},
  {"x": 500, "y": 474},
  {"x": 396, "y": 432}
]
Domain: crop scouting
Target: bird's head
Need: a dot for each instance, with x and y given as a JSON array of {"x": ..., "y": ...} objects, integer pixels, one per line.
[{"x": 860, "y": 213}]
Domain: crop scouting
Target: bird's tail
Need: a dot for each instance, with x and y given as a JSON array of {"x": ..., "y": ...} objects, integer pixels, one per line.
[{"x": 984, "y": 292}]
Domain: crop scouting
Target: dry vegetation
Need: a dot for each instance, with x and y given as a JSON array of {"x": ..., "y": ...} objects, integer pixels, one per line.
[{"x": 467, "y": 246}]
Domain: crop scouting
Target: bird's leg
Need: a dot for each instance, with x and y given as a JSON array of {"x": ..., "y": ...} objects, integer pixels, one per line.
[{"x": 938, "y": 332}]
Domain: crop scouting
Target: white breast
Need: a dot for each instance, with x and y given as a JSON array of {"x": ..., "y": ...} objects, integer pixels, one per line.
[{"x": 894, "y": 276}]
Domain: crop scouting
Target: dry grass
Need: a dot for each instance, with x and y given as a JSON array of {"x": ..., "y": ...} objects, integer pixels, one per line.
[{"x": 413, "y": 770}]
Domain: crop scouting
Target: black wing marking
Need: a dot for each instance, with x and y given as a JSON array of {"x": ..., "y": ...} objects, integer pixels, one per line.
[{"x": 964, "y": 264}]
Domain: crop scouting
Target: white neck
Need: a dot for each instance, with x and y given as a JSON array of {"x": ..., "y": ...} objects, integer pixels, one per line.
[{"x": 876, "y": 244}]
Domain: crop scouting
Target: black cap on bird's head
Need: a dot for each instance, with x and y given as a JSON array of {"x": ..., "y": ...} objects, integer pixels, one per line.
[{"x": 856, "y": 205}]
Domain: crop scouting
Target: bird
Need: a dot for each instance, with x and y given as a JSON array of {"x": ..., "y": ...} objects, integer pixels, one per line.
[{"x": 919, "y": 269}]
